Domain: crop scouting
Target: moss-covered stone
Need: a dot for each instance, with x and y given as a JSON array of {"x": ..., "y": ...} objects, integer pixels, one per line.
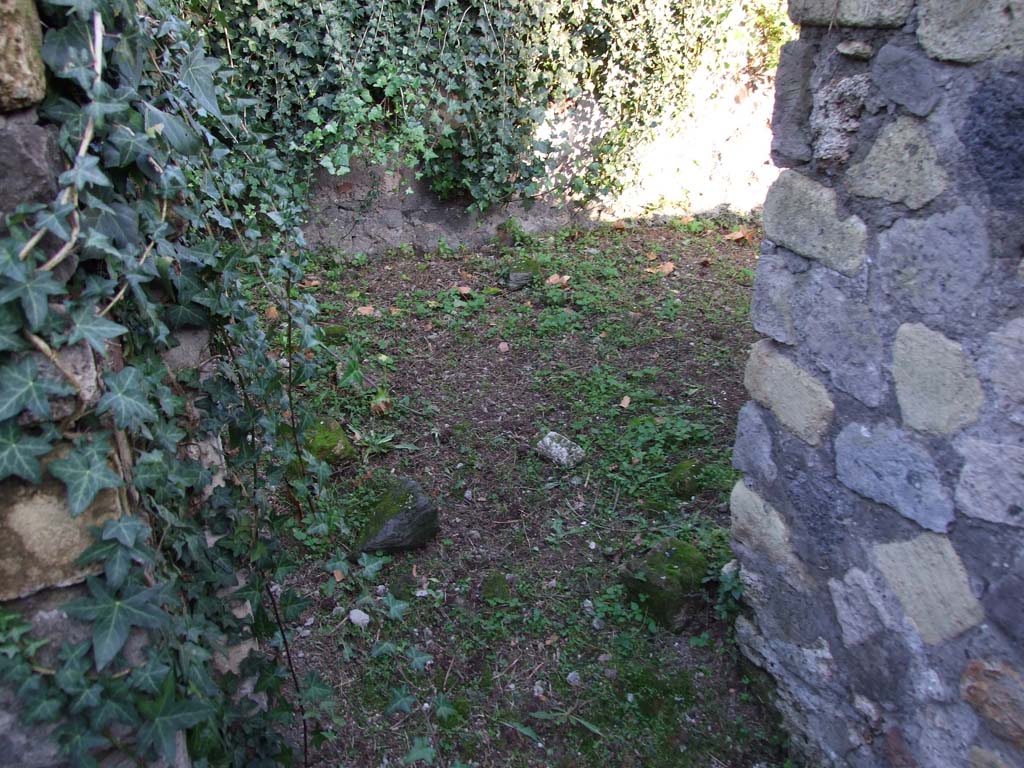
[
  {"x": 684, "y": 479},
  {"x": 328, "y": 442},
  {"x": 495, "y": 587},
  {"x": 668, "y": 579},
  {"x": 403, "y": 517},
  {"x": 334, "y": 334}
]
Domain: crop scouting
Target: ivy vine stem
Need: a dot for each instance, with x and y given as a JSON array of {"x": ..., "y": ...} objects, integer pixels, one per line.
[{"x": 291, "y": 670}]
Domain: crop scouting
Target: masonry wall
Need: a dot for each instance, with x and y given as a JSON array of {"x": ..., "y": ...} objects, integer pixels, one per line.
[{"x": 880, "y": 521}]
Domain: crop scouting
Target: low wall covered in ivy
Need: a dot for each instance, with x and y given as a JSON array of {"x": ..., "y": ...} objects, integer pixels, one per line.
[{"x": 879, "y": 523}]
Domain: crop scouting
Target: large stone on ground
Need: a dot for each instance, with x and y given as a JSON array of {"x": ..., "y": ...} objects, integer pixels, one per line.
[
  {"x": 328, "y": 442},
  {"x": 888, "y": 466},
  {"x": 797, "y": 399},
  {"x": 39, "y": 540},
  {"x": 996, "y": 692},
  {"x": 906, "y": 77},
  {"x": 404, "y": 517},
  {"x": 668, "y": 580},
  {"x": 936, "y": 265},
  {"x": 22, "y": 78},
  {"x": 936, "y": 386},
  {"x": 991, "y": 483},
  {"x": 561, "y": 450},
  {"x": 901, "y": 167},
  {"x": 759, "y": 527},
  {"x": 850, "y": 13},
  {"x": 930, "y": 581},
  {"x": 800, "y": 214},
  {"x": 968, "y": 32}
]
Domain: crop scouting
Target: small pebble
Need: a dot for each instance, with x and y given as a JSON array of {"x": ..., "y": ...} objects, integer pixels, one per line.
[
  {"x": 588, "y": 607},
  {"x": 359, "y": 618},
  {"x": 597, "y": 623},
  {"x": 573, "y": 679}
]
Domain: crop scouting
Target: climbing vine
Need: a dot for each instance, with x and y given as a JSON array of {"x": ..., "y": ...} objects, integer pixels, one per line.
[
  {"x": 473, "y": 95},
  {"x": 161, "y": 170}
]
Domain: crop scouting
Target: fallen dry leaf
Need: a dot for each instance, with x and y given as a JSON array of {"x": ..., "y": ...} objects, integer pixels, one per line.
[
  {"x": 311, "y": 283},
  {"x": 272, "y": 314},
  {"x": 464, "y": 290},
  {"x": 740, "y": 234},
  {"x": 367, "y": 311},
  {"x": 394, "y": 311},
  {"x": 625, "y": 401},
  {"x": 338, "y": 575},
  {"x": 619, "y": 224},
  {"x": 503, "y": 347},
  {"x": 652, "y": 256},
  {"x": 665, "y": 269},
  {"x": 558, "y": 280}
]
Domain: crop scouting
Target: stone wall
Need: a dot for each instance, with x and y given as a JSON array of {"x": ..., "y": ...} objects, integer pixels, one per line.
[
  {"x": 880, "y": 521},
  {"x": 715, "y": 156}
]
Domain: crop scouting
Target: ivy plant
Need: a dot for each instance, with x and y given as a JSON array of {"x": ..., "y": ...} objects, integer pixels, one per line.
[{"x": 166, "y": 196}]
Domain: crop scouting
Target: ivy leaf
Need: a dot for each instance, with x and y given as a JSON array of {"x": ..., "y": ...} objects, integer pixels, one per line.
[
  {"x": 127, "y": 530},
  {"x": 125, "y": 398},
  {"x": 443, "y": 708},
  {"x": 55, "y": 220},
  {"x": 113, "y": 617},
  {"x": 85, "y": 473},
  {"x": 418, "y": 660},
  {"x": 115, "y": 709},
  {"x": 22, "y": 387},
  {"x": 401, "y": 701},
  {"x": 166, "y": 716},
  {"x": 150, "y": 675},
  {"x": 117, "y": 566},
  {"x": 31, "y": 287},
  {"x": 196, "y": 74},
  {"x": 18, "y": 453},
  {"x": 87, "y": 325},
  {"x": 421, "y": 751},
  {"x": 86, "y": 171}
]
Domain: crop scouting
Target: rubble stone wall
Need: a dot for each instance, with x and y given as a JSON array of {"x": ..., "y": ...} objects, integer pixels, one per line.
[{"x": 880, "y": 521}]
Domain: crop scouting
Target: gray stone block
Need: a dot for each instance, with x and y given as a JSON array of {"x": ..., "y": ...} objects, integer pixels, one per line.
[
  {"x": 29, "y": 162},
  {"x": 22, "y": 78},
  {"x": 836, "y": 115},
  {"x": 752, "y": 453},
  {"x": 902, "y": 167},
  {"x": 991, "y": 483},
  {"x": 936, "y": 265},
  {"x": 932, "y": 585},
  {"x": 800, "y": 214},
  {"x": 887, "y": 465},
  {"x": 970, "y": 31},
  {"x": 906, "y": 77},
  {"x": 936, "y": 385},
  {"x": 838, "y": 329},
  {"x": 791, "y": 134},
  {"x": 850, "y": 13},
  {"x": 1003, "y": 363},
  {"x": 991, "y": 131},
  {"x": 771, "y": 309}
]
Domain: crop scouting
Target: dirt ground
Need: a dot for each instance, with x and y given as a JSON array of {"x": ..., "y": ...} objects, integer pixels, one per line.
[{"x": 510, "y": 639}]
